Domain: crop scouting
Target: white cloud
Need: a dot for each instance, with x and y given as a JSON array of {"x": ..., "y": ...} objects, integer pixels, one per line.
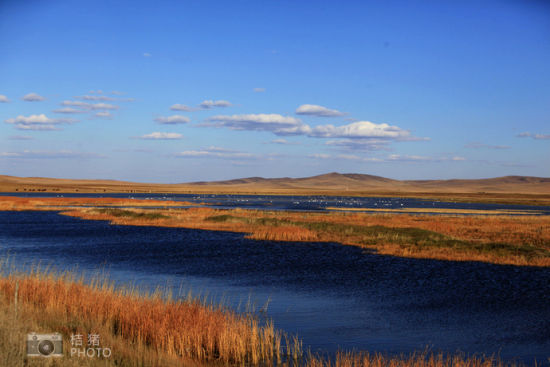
[
  {"x": 316, "y": 110},
  {"x": 320, "y": 156},
  {"x": 360, "y": 144},
  {"x": 147, "y": 54},
  {"x": 346, "y": 157},
  {"x": 20, "y": 137},
  {"x": 33, "y": 97},
  {"x": 90, "y": 106},
  {"x": 37, "y": 122},
  {"x": 35, "y": 119},
  {"x": 99, "y": 91},
  {"x": 361, "y": 129},
  {"x": 419, "y": 158},
  {"x": 277, "y": 124},
  {"x": 95, "y": 98},
  {"x": 76, "y": 104},
  {"x": 174, "y": 119},
  {"x": 259, "y": 90},
  {"x": 204, "y": 105},
  {"x": 181, "y": 107},
  {"x": 283, "y": 142},
  {"x": 351, "y": 157},
  {"x": 36, "y": 127},
  {"x": 214, "y": 148},
  {"x": 211, "y": 104},
  {"x": 103, "y": 114},
  {"x": 103, "y": 106},
  {"x": 477, "y": 145},
  {"x": 408, "y": 158},
  {"x": 161, "y": 136},
  {"x": 365, "y": 132},
  {"x": 4, "y": 99},
  {"x": 389, "y": 158},
  {"x": 215, "y": 152},
  {"x": 68, "y": 110},
  {"x": 117, "y": 93},
  {"x": 534, "y": 136},
  {"x": 63, "y": 154}
]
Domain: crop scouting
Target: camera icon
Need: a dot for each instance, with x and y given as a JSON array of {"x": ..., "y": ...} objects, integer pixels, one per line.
[{"x": 44, "y": 345}]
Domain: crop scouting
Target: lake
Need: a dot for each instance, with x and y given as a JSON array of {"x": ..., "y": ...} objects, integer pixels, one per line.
[
  {"x": 307, "y": 203},
  {"x": 332, "y": 296}
]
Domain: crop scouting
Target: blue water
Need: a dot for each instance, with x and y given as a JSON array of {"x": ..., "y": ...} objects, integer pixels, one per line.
[
  {"x": 309, "y": 203},
  {"x": 330, "y": 295}
]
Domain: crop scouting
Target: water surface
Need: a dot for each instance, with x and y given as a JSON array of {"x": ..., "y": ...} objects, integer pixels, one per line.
[
  {"x": 330, "y": 295},
  {"x": 309, "y": 203}
]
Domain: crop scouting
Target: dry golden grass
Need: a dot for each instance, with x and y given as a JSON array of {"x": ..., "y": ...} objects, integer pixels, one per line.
[
  {"x": 420, "y": 359},
  {"x": 155, "y": 328},
  {"x": 512, "y": 240},
  {"x": 26, "y": 203},
  {"x": 438, "y": 211}
]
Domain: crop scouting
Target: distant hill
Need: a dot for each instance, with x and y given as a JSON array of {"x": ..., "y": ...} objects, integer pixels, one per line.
[
  {"x": 362, "y": 182},
  {"x": 330, "y": 183}
]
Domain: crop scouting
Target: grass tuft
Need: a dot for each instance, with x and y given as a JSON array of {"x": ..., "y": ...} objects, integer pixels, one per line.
[{"x": 131, "y": 214}]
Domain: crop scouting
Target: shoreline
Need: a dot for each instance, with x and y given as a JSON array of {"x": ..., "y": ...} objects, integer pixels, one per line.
[
  {"x": 509, "y": 240},
  {"x": 459, "y": 197}
]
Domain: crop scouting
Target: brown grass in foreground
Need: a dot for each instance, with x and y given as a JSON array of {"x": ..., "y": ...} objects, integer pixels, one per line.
[
  {"x": 151, "y": 330},
  {"x": 161, "y": 330},
  {"x": 419, "y": 359}
]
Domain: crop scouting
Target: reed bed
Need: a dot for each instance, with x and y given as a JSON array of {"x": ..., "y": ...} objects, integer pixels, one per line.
[
  {"x": 511, "y": 240},
  {"x": 418, "y": 359},
  {"x": 188, "y": 329}
]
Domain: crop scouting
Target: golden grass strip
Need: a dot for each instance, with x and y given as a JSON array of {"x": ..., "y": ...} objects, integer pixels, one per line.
[
  {"x": 177, "y": 329},
  {"x": 496, "y": 239}
]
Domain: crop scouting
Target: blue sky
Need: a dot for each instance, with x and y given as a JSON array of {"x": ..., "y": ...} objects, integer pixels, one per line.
[{"x": 202, "y": 90}]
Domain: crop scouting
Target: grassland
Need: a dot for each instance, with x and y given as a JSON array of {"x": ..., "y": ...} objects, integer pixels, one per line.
[{"x": 156, "y": 330}]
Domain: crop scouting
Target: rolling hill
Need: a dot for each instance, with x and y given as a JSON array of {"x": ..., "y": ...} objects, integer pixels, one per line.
[{"x": 330, "y": 183}]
